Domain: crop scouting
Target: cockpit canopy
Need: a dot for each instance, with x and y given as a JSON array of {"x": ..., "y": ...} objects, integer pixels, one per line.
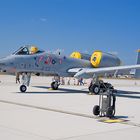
[{"x": 28, "y": 50}]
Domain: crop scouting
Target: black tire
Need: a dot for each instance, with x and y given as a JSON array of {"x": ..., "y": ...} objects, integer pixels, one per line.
[
  {"x": 23, "y": 88},
  {"x": 96, "y": 110},
  {"x": 94, "y": 89},
  {"x": 54, "y": 85},
  {"x": 109, "y": 112}
]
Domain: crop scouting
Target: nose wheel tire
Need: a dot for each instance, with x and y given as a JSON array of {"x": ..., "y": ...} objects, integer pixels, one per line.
[{"x": 23, "y": 88}]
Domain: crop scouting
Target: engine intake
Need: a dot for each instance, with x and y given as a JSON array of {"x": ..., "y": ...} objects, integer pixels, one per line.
[{"x": 101, "y": 59}]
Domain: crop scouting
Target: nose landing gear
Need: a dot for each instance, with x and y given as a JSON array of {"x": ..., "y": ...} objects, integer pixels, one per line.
[{"x": 25, "y": 81}]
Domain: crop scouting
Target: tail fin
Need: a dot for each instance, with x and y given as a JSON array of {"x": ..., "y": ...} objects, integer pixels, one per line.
[{"x": 137, "y": 72}]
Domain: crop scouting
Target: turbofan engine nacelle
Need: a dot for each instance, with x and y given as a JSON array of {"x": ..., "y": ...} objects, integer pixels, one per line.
[
  {"x": 101, "y": 59},
  {"x": 79, "y": 55}
]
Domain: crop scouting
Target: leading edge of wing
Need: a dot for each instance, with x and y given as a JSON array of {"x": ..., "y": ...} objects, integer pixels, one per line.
[{"x": 88, "y": 72}]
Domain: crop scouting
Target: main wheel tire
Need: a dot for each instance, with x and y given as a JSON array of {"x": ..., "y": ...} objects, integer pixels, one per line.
[
  {"x": 54, "y": 85},
  {"x": 23, "y": 88},
  {"x": 96, "y": 110},
  {"x": 94, "y": 89}
]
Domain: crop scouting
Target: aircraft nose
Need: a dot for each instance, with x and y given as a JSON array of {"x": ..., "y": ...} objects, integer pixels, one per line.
[{"x": 2, "y": 64}]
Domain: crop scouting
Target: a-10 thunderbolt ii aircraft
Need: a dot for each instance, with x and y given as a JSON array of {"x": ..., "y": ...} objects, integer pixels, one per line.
[{"x": 29, "y": 59}]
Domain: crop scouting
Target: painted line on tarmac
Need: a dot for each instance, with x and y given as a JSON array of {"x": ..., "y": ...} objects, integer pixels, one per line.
[
  {"x": 67, "y": 112},
  {"x": 49, "y": 109}
]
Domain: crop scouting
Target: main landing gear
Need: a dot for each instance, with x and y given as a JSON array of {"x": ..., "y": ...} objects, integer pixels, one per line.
[{"x": 97, "y": 86}]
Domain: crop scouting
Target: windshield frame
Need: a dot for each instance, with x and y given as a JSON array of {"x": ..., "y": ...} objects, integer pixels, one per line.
[{"x": 27, "y": 47}]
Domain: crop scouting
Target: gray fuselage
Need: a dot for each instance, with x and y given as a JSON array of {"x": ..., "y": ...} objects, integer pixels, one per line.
[{"x": 47, "y": 63}]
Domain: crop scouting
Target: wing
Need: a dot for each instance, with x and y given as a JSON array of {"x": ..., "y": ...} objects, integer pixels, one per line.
[{"x": 90, "y": 72}]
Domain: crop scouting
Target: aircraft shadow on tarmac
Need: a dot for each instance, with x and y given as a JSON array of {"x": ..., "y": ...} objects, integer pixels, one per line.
[
  {"x": 128, "y": 94},
  {"x": 121, "y": 117},
  {"x": 120, "y": 93},
  {"x": 59, "y": 91}
]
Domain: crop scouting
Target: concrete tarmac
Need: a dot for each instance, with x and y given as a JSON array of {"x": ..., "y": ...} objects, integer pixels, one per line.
[{"x": 65, "y": 114}]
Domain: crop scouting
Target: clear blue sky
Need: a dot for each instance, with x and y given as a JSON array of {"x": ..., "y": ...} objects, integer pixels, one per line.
[{"x": 71, "y": 25}]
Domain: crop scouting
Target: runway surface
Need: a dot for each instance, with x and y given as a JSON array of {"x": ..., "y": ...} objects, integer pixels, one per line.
[{"x": 66, "y": 114}]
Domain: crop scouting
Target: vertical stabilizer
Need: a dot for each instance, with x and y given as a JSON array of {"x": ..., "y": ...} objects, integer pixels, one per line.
[{"x": 137, "y": 72}]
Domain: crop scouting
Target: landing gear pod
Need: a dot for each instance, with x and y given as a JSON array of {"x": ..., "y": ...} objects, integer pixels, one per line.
[{"x": 101, "y": 59}]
